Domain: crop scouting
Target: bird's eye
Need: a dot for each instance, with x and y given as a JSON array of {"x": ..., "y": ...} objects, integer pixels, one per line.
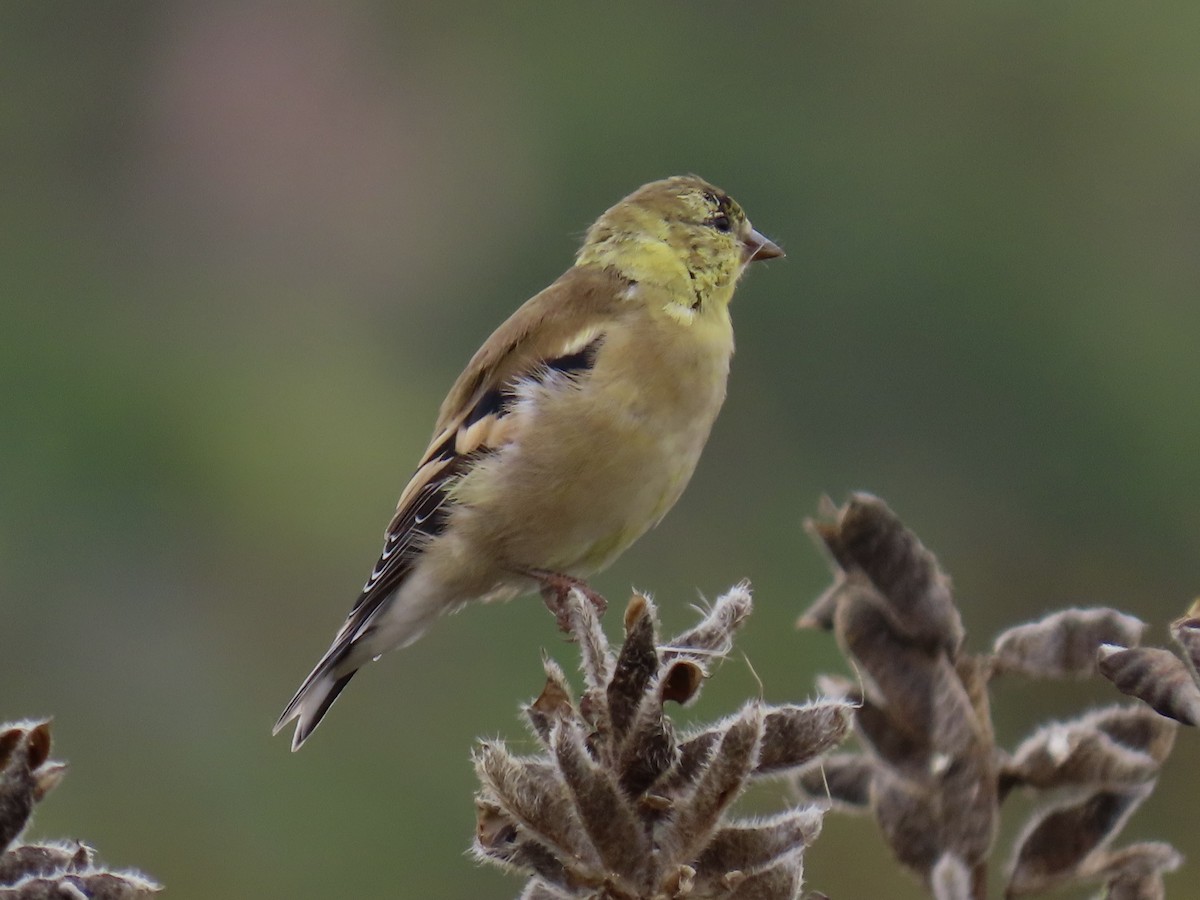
[{"x": 721, "y": 223}]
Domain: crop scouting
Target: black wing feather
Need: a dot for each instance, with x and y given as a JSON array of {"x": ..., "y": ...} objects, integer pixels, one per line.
[{"x": 426, "y": 517}]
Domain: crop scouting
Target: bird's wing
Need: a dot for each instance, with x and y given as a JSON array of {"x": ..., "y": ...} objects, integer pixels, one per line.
[{"x": 559, "y": 330}]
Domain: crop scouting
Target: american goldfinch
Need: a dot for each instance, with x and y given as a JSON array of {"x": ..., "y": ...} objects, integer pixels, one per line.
[{"x": 572, "y": 431}]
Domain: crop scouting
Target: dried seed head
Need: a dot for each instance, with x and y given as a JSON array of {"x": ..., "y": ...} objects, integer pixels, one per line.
[
  {"x": 974, "y": 673},
  {"x": 1135, "y": 887},
  {"x": 1148, "y": 858},
  {"x": 906, "y": 814},
  {"x": 694, "y": 753},
  {"x": 679, "y": 883},
  {"x": 1057, "y": 844},
  {"x": 499, "y": 839},
  {"x": 595, "y": 659},
  {"x": 951, "y": 879},
  {"x": 844, "y": 779},
  {"x": 26, "y": 775},
  {"x": 868, "y": 538},
  {"x": 1135, "y": 872},
  {"x": 1137, "y": 728},
  {"x": 917, "y": 705},
  {"x": 903, "y": 750},
  {"x": 795, "y": 735},
  {"x": 530, "y": 792},
  {"x": 780, "y": 882},
  {"x": 720, "y": 781},
  {"x": 896, "y": 673},
  {"x": 970, "y": 812},
  {"x": 819, "y": 614},
  {"x": 750, "y": 847},
  {"x": 89, "y": 885},
  {"x": 636, "y": 665},
  {"x": 682, "y": 680},
  {"x": 931, "y": 768},
  {"x": 43, "y": 860},
  {"x": 1116, "y": 745},
  {"x": 537, "y": 889},
  {"x": 615, "y": 809},
  {"x": 954, "y": 811},
  {"x": 713, "y": 636},
  {"x": 492, "y": 827},
  {"x": 51, "y": 871},
  {"x": 1156, "y": 676},
  {"x": 649, "y": 748},
  {"x": 552, "y": 705},
  {"x": 1064, "y": 645},
  {"x": 1186, "y": 632}
]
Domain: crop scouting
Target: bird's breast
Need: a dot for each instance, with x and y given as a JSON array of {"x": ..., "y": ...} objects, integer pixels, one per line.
[{"x": 599, "y": 458}]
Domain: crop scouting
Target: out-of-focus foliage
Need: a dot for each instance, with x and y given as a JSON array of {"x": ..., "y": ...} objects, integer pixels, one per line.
[{"x": 245, "y": 248}]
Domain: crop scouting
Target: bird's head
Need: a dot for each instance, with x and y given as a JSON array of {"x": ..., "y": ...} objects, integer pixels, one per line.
[{"x": 681, "y": 233}]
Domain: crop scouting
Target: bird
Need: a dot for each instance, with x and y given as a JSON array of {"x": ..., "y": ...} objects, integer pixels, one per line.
[{"x": 571, "y": 432}]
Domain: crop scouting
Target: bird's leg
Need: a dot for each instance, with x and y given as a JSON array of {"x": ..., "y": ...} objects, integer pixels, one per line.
[{"x": 556, "y": 587}]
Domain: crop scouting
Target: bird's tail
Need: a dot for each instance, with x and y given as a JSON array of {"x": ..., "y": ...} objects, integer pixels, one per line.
[
  {"x": 378, "y": 622},
  {"x": 316, "y": 695}
]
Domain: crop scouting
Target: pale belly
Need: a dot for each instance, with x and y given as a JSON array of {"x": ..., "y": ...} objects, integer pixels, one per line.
[
  {"x": 594, "y": 467},
  {"x": 592, "y": 464},
  {"x": 572, "y": 498}
]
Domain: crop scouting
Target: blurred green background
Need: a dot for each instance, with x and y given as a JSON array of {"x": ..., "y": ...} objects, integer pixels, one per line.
[{"x": 246, "y": 247}]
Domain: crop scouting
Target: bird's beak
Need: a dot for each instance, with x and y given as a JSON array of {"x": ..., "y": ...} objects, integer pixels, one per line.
[{"x": 758, "y": 246}]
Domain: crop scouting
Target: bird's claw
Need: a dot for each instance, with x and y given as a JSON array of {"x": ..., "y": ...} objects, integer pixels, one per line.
[{"x": 556, "y": 589}]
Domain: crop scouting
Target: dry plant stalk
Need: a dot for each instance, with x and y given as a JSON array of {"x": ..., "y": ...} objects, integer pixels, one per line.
[
  {"x": 64, "y": 870},
  {"x": 616, "y": 806},
  {"x": 929, "y": 768}
]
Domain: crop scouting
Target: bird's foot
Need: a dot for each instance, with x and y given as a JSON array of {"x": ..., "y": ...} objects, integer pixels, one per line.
[{"x": 556, "y": 587}]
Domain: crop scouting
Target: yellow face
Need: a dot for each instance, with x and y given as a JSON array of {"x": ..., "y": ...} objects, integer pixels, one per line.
[{"x": 681, "y": 233}]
